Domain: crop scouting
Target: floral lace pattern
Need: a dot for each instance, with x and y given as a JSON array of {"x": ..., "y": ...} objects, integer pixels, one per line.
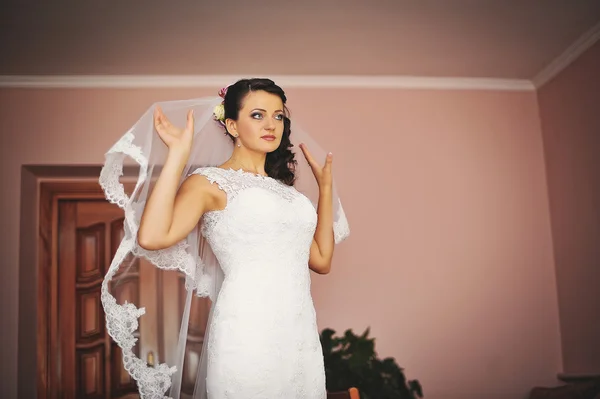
[
  {"x": 122, "y": 320},
  {"x": 341, "y": 228}
]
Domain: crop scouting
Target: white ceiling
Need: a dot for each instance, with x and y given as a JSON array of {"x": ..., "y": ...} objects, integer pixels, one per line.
[{"x": 512, "y": 39}]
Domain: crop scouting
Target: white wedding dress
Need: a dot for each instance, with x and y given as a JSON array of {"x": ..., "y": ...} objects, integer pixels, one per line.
[{"x": 264, "y": 341}]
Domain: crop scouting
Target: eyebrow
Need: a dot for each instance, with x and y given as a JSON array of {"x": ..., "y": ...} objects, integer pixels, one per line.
[{"x": 264, "y": 110}]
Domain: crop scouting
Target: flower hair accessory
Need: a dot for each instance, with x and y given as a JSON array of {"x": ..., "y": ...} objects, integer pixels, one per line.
[
  {"x": 223, "y": 92},
  {"x": 219, "y": 111},
  {"x": 219, "y": 114}
]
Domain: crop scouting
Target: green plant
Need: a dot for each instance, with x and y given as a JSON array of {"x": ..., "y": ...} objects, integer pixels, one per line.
[{"x": 351, "y": 361}]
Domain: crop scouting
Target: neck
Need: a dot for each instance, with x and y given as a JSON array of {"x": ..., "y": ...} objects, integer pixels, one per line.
[{"x": 247, "y": 160}]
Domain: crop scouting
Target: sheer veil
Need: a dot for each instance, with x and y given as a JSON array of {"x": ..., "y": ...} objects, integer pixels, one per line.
[{"x": 158, "y": 304}]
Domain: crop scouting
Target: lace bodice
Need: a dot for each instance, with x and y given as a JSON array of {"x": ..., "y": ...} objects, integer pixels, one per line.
[{"x": 261, "y": 215}]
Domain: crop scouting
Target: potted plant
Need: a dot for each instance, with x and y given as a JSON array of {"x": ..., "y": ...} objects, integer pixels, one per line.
[{"x": 351, "y": 361}]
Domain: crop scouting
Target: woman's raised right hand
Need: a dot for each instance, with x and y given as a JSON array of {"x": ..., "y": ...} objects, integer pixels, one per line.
[{"x": 174, "y": 137}]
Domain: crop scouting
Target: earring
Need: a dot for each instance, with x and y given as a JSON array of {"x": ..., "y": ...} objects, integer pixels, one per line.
[{"x": 237, "y": 138}]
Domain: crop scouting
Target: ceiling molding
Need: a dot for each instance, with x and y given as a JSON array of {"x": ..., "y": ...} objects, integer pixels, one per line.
[
  {"x": 287, "y": 81},
  {"x": 580, "y": 46}
]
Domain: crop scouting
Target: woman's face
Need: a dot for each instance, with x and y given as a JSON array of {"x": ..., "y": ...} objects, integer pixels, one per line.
[{"x": 260, "y": 122}]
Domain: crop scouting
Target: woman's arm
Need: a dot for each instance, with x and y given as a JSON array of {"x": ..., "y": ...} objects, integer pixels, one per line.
[
  {"x": 321, "y": 250},
  {"x": 171, "y": 214}
]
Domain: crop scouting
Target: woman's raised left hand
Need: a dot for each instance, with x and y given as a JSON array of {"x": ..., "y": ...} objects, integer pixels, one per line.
[{"x": 322, "y": 174}]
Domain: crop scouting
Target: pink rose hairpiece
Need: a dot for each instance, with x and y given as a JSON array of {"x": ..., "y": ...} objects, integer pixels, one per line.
[{"x": 223, "y": 92}]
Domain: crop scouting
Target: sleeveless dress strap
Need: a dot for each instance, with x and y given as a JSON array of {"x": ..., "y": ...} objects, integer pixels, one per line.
[{"x": 220, "y": 177}]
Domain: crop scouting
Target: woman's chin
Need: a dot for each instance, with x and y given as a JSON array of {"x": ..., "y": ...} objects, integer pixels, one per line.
[{"x": 270, "y": 146}]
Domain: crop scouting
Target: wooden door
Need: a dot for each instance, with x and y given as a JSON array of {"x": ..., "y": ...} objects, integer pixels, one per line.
[{"x": 89, "y": 232}]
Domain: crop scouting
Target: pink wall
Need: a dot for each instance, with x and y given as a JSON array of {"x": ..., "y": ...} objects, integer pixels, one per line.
[
  {"x": 450, "y": 260},
  {"x": 569, "y": 111}
]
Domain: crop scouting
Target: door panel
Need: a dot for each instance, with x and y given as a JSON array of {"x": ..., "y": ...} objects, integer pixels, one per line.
[{"x": 91, "y": 366}]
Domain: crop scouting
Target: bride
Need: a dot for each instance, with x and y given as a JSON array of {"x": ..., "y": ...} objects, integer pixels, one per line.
[{"x": 263, "y": 226}]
